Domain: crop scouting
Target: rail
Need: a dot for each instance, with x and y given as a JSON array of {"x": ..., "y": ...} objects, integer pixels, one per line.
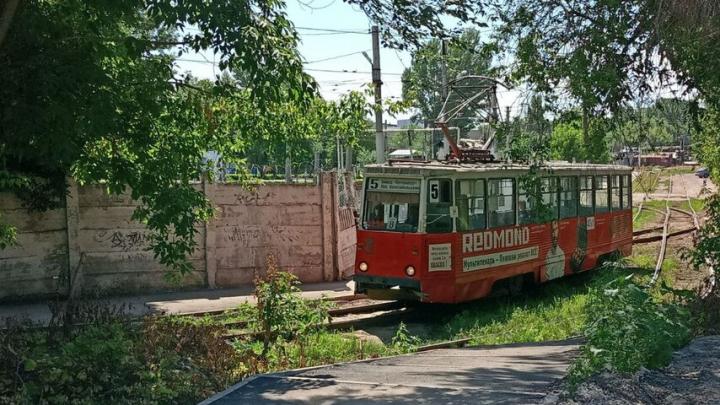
[
  {"x": 711, "y": 280},
  {"x": 663, "y": 243}
]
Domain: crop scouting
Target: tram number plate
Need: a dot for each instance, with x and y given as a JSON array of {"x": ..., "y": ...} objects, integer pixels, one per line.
[
  {"x": 440, "y": 257},
  {"x": 434, "y": 191},
  {"x": 590, "y": 223}
]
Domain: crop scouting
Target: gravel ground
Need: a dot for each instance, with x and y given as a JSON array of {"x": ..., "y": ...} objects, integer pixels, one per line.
[{"x": 693, "y": 377}]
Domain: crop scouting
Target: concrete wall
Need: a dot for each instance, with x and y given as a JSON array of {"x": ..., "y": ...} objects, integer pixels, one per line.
[
  {"x": 38, "y": 263},
  {"x": 94, "y": 238}
]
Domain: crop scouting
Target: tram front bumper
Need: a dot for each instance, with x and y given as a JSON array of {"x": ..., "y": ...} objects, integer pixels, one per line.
[{"x": 380, "y": 287}]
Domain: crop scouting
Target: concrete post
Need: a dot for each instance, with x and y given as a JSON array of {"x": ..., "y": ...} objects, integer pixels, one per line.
[
  {"x": 328, "y": 204},
  {"x": 210, "y": 258},
  {"x": 72, "y": 217}
]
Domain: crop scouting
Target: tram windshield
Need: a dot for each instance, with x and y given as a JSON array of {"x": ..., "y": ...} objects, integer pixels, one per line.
[{"x": 392, "y": 204}]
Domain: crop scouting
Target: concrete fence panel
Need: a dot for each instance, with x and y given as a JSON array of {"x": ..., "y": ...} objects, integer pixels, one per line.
[{"x": 92, "y": 244}]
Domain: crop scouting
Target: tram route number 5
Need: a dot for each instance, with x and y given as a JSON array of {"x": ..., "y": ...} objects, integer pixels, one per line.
[{"x": 434, "y": 191}]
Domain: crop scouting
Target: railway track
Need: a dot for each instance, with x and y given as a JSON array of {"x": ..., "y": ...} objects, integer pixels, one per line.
[
  {"x": 711, "y": 280},
  {"x": 664, "y": 239},
  {"x": 348, "y": 316}
]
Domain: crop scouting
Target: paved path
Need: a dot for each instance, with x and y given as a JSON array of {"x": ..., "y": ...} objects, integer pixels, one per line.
[
  {"x": 173, "y": 302},
  {"x": 509, "y": 374}
]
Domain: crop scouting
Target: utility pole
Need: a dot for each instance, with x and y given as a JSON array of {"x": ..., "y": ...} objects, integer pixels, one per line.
[
  {"x": 443, "y": 66},
  {"x": 377, "y": 82},
  {"x": 509, "y": 131}
]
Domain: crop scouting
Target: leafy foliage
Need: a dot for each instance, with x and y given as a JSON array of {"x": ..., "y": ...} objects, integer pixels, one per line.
[
  {"x": 603, "y": 52},
  {"x": 628, "y": 328},
  {"x": 92, "y": 91},
  {"x": 403, "y": 341},
  {"x": 168, "y": 360},
  {"x": 281, "y": 312},
  {"x": 409, "y": 23},
  {"x": 568, "y": 142}
]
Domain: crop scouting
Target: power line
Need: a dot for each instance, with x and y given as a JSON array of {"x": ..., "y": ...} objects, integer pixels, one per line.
[
  {"x": 310, "y": 6},
  {"x": 350, "y": 72},
  {"x": 336, "y": 57},
  {"x": 333, "y": 30},
  {"x": 309, "y": 70}
]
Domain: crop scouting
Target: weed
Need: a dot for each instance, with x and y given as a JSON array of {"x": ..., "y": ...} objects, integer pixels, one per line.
[
  {"x": 629, "y": 327},
  {"x": 281, "y": 310},
  {"x": 645, "y": 217},
  {"x": 403, "y": 341}
]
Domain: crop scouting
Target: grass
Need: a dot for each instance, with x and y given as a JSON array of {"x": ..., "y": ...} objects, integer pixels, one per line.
[
  {"x": 552, "y": 311},
  {"x": 646, "y": 181},
  {"x": 697, "y": 204},
  {"x": 645, "y": 217},
  {"x": 671, "y": 171},
  {"x": 320, "y": 348}
]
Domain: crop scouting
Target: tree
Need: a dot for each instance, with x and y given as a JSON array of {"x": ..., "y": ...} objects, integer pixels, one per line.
[
  {"x": 422, "y": 81},
  {"x": 568, "y": 142},
  {"x": 89, "y": 89}
]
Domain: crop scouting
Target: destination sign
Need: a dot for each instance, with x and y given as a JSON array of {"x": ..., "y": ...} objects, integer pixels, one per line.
[
  {"x": 394, "y": 185},
  {"x": 440, "y": 257},
  {"x": 500, "y": 258}
]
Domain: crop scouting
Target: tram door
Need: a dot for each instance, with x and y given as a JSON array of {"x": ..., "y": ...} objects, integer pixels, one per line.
[{"x": 439, "y": 206}]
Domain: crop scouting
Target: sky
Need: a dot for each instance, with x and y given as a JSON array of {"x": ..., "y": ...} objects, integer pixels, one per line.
[{"x": 335, "y": 58}]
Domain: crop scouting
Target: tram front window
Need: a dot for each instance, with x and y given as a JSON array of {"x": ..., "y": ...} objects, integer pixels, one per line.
[{"x": 392, "y": 205}]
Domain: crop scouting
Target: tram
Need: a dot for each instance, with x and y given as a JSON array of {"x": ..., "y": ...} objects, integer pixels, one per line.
[{"x": 447, "y": 232}]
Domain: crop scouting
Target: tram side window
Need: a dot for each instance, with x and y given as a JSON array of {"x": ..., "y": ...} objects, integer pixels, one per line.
[
  {"x": 501, "y": 210},
  {"x": 601, "y": 194},
  {"x": 568, "y": 197},
  {"x": 548, "y": 186},
  {"x": 470, "y": 200},
  {"x": 438, "y": 208},
  {"x": 615, "y": 192},
  {"x": 586, "y": 196},
  {"x": 526, "y": 206},
  {"x": 626, "y": 194}
]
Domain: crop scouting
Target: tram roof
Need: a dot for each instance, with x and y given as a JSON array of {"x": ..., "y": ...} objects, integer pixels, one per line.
[{"x": 420, "y": 168}]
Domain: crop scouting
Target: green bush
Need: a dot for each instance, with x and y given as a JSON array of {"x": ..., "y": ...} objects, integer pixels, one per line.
[
  {"x": 282, "y": 313},
  {"x": 166, "y": 360},
  {"x": 96, "y": 365},
  {"x": 628, "y": 328}
]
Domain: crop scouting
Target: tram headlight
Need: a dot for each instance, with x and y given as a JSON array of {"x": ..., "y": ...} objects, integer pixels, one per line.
[
  {"x": 410, "y": 271},
  {"x": 363, "y": 266}
]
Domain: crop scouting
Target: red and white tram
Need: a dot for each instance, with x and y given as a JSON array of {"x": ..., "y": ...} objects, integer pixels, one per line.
[{"x": 446, "y": 233}]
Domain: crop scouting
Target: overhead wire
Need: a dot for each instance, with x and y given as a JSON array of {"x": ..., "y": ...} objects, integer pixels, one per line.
[
  {"x": 336, "y": 57},
  {"x": 333, "y": 30}
]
